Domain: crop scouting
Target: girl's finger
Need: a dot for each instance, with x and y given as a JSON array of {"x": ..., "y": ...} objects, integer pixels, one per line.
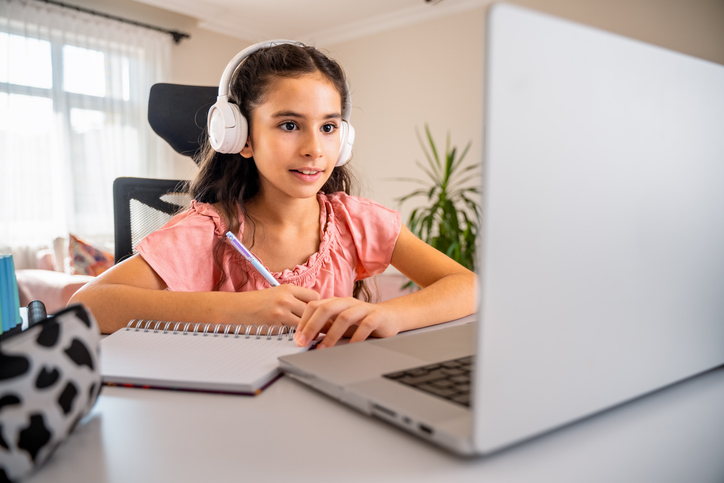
[
  {"x": 290, "y": 319},
  {"x": 316, "y": 316},
  {"x": 364, "y": 329},
  {"x": 312, "y": 310},
  {"x": 298, "y": 308},
  {"x": 306, "y": 314},
  {"x": 342, "y": 322}
]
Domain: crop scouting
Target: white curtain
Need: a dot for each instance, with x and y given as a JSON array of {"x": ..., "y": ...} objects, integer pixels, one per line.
[{"x": 73, "y": 117}]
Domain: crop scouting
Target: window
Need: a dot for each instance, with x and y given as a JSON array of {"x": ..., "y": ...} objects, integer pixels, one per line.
[{"x": 73, "y": 96}]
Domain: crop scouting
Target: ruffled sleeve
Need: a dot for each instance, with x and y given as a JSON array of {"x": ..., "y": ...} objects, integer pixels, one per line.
[
  {"x": 181, "y": 252},
  {"x": 368, "y": 232}
]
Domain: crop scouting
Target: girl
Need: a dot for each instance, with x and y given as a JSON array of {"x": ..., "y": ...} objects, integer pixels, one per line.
[{"x": 287, "y": 199}]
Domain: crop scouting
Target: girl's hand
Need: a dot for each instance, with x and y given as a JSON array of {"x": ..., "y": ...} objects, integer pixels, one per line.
[
  {"x": 338, "y": 317},
  {"x": 282, "y": 305}
]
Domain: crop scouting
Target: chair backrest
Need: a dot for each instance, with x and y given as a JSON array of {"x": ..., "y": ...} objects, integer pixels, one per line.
[
  {"x": 178, "y": 113},
  {"x": 143, "y": 205}
]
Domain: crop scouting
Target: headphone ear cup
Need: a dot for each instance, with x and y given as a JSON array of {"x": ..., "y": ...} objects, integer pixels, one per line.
[
  {"x": 227, "y": 127},
  {"x": 241, "y": 132},
  {"x": 346, "y": 138}
]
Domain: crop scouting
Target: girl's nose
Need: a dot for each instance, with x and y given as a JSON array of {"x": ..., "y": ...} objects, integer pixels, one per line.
[{"x": 313, "y": 145}]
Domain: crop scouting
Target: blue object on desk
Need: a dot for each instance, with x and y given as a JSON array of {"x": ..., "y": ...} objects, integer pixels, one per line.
[{"x": 9, "y": 298}]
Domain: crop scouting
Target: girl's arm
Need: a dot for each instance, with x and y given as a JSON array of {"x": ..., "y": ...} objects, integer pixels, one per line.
[
  {"x": 448, "y": 293},
  {"x": 133, "y": 290}
]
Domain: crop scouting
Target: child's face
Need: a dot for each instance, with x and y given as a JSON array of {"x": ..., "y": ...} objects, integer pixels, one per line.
[{"x": 294, "y": 136}]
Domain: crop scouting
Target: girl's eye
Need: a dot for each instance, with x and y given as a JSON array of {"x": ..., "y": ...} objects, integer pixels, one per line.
[
  {"x": 289, "y": 126},
  {"x": 328, "y": 128}
]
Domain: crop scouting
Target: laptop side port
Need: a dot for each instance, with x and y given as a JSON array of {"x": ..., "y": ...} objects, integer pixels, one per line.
[
  {"x": 425, "y": 429},
  {"x": 383, "y": 411}
]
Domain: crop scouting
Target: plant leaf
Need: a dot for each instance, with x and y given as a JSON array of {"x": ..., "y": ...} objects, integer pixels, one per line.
[
  {"x": 411, "y": 195},
  {"x": 449, "y": 222},
  {"x": 427, "y": 171},
  {"x": 435, "y": 156},
  {"x": 462, "y": 156}
]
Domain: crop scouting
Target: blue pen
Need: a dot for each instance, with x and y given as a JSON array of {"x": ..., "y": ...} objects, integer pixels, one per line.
[{"x": 252, "y": 259}]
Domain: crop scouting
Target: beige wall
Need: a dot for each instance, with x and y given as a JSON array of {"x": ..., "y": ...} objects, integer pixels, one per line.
[
  {"x": 694, "y": 27},
  {"x": 433, "y": 73}
]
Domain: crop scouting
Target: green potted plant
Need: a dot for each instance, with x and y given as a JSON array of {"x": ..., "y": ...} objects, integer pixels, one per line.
[{"x": 450, "y": 218}]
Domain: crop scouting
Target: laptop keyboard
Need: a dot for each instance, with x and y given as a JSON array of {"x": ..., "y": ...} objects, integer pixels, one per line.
[{"x": 449, "y": 379}]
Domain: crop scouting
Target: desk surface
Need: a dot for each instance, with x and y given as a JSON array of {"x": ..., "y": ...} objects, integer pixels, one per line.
[{"x": 292, "y": 433}]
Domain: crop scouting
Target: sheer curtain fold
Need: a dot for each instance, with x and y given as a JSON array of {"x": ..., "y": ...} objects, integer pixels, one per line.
[{"x": 73, "y": 117}]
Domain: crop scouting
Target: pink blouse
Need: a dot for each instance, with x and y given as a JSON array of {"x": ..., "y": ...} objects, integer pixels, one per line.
[{"x": 357, "y": 240}]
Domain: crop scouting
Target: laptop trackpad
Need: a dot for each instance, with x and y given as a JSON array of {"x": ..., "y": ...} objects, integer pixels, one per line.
[{"x": 434, "y": 346}]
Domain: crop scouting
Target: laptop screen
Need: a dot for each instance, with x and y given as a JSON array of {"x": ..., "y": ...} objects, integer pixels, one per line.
[{"x": 602, "y": 265}]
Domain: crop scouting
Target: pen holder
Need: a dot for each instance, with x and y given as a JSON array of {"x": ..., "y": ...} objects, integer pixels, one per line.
[{"x": 49, "y": 380}]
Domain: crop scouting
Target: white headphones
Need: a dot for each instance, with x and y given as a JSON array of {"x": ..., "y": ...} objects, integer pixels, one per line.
[{"x": 228, "y": 128}]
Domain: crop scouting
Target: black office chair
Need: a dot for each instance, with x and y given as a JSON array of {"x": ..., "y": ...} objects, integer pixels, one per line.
[
  {"x": 177, "y": 113},
  {"x": 143, "y": 205}
]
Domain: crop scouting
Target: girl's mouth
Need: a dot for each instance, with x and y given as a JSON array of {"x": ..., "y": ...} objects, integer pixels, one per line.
[{"x": 306, "y": 174}]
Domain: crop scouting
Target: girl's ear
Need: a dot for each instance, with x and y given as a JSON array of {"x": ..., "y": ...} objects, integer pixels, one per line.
[{"x": 246, "y": 151}]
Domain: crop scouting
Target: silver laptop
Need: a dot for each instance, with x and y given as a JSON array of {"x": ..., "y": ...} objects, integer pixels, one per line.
[{"x": 602, "y": 249}]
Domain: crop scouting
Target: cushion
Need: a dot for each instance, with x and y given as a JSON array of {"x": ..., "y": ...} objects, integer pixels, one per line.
[
  {"x": 86, "y": 259},
  {"x": 52, "y": 288},
  {"x": 45, "y": 259},
  {"x": 62, "y": 260}
]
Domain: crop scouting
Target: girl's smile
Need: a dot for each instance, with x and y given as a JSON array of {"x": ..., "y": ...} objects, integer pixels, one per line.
[{"x": 307, "y": 174}]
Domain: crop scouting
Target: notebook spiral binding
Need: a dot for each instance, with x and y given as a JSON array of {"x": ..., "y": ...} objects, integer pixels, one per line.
[{"x": 229, "y": 330}]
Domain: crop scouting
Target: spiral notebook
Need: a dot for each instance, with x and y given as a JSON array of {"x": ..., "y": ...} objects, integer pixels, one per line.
[{"x": 236, "y": 359}]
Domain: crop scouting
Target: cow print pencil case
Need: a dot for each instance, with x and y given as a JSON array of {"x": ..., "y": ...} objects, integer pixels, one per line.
[{"x": 49, "y": 380}]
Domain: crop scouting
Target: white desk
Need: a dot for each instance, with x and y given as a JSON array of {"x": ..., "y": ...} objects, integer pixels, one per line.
[{"x": 292, "y": 433}]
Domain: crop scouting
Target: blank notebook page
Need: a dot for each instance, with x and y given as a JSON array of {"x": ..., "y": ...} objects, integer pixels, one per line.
[{"x": 192, "y": 361}]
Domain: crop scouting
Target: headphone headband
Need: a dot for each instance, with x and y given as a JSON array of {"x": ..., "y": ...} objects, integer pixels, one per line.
[
  {"x": 227, "y": 127},
  {"x": 231, "y": 67}
]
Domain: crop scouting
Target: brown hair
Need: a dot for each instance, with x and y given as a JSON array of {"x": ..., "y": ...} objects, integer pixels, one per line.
[{"x": 230, "y": 180}]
